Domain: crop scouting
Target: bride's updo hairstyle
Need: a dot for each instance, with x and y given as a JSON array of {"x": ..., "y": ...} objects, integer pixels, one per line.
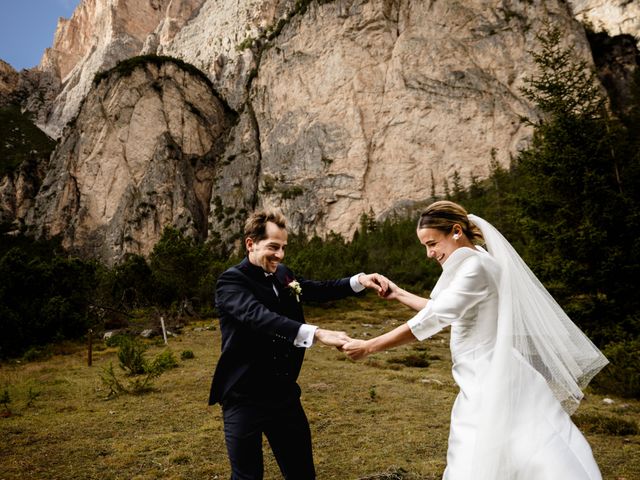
[{"x": 443, "y": 215}]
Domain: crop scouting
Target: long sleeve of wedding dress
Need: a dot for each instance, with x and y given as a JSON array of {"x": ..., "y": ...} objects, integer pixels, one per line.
[{"x": 468, "y": 286}]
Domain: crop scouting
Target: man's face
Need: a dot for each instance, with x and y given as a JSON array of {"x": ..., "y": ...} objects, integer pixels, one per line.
[{"x": 268, "y": 252}]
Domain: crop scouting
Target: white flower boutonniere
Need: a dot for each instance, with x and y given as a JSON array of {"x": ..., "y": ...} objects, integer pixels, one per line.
[{"x": 295, "y": 287}]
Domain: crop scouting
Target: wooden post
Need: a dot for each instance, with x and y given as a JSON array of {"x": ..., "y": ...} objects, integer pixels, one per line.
[
  {"x": 164, "y": 330},
  {"x": 90, "y": 347}
]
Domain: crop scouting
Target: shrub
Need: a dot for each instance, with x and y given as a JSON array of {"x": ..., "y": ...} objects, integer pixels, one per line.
[
  {"x": 600, "y": 424},
  {"x": 417, "y": 360},
  {"x": 140, "y": 371},
  {"x": 43, "y": 297},
  {"x": 187, "y": 354},
  {"x": 115, "y": 340},
  {"x": 131, "y": 356},
  {"x": 36, "y": 353},
  {"x": 622, "y": 375},
  {"x": 5, "y": 400},
  {"x": 164, "y": 361}
]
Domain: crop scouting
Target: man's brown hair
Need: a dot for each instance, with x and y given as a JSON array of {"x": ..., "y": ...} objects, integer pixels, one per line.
[{"x": 255, "y": 227}]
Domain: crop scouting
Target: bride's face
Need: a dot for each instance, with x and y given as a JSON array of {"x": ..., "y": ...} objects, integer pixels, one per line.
[{"x": 439, "y": 244}]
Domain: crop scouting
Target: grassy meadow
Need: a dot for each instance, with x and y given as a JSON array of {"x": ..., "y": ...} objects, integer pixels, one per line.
[{"x": 384, "y": 418}]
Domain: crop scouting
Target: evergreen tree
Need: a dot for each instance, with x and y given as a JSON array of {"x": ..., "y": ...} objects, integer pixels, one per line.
[{"x": 571, "y": 203}]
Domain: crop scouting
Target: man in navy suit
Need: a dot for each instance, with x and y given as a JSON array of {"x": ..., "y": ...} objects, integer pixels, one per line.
[{"x": 264, "y": 337}]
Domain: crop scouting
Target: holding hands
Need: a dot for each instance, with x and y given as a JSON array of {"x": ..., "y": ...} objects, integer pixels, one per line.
[
  {"x": 381, "y": 284},
  {"x": 358, "y": 349},
  {"x": 332, "y": 338},
  {"x": 353, "y": 348},
  {"x": 377, "y": 282}
]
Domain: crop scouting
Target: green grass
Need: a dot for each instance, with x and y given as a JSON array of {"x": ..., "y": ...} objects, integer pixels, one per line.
[{"x": 377, "y": 419}]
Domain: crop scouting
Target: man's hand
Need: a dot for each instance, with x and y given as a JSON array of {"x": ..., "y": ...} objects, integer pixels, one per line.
[
  {"x": 331, "y": 337},
  {"x": 356, "y": 349},
  {"x": 378, "y": 282},
  {"x": 392, "y": 293}
]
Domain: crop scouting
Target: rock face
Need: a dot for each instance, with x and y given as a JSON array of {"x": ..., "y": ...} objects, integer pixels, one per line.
[
  {"x": 140, "y": 156},
  {"x": 616, "y": 17},
  {"x": 98, "y": 35},
  {"x": 365, "y": 105},
  {"x": 19, "y": 188},
  {"x": 9, "y": 80},
  {"x": 617, "y": 61},
  {"x": 344, "y": 107},
  {"x": 217, "y": 40}
]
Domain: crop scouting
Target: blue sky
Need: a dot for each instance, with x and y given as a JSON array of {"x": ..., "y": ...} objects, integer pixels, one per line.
[{"x": 27, "y": 27}]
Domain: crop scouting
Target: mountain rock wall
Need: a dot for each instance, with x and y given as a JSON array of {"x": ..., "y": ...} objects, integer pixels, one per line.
[
  {"x": 325, "y": 109},
  {"x": 99, "y": 34},
  {"x": 616, "y": 17},
  {"x": 140, "y": 156},
  {"x": 367, "y": 105}
]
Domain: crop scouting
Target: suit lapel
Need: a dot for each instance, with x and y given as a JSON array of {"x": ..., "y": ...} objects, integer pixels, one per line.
[{"x": 257, "y": 276}]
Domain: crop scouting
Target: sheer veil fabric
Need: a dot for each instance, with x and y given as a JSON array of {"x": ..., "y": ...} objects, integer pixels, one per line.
[{"x": 536, "y": 344}]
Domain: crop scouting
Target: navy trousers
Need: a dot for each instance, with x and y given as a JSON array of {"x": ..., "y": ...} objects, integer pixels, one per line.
[{"x": 286, "y": 427}]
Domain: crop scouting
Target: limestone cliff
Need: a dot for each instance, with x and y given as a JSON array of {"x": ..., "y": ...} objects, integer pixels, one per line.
[
  {"x": 616, "y": 17},
  {"x": 99, "y": 34},
  {"x": 24, "y": 150},
  {"x": 9, "y": 80},
  {"x": 344, "y": 107},
  {"x": 139, "y": 156}
]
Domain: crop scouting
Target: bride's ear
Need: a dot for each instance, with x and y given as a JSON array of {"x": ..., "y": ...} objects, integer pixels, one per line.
[{"x": 457, "y": 232}]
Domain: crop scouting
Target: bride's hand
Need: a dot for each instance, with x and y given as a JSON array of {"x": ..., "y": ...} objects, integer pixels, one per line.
[
  {"x": 392, "y": 291},
  {"x": 356, "y": 349}
]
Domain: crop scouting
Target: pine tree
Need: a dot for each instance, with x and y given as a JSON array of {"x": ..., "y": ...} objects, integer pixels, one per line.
[{"x": 571, "y": 203}]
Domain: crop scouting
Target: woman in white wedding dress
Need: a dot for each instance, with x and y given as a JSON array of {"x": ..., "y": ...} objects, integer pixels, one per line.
[{"x": 518, "y": 359}]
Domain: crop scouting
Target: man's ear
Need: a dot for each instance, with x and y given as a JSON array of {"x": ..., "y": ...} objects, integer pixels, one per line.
[{"x": 248, "y": 243}]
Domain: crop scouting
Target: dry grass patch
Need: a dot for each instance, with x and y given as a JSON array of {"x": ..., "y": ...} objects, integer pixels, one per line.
[{"x": 367, "y": 422}]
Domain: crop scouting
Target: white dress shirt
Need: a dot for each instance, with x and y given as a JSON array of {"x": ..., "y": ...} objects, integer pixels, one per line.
[{"x": 307, "y": 332}]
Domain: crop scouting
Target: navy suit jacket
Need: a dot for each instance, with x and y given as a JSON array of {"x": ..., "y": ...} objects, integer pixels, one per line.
[{"x": 258, "y": 361}]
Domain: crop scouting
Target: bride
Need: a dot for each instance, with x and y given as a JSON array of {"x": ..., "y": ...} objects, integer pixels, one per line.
[{"x": 518, "y": 359}]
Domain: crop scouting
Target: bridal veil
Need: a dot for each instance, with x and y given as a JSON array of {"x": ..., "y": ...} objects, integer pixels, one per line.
[{"x": 535, "y": 340}]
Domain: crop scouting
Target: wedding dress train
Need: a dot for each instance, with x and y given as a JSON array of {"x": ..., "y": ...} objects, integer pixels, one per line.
[{"x": 545, "y": 444}]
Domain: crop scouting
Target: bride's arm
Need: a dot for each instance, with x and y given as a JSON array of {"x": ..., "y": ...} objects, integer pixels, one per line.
[{"x": 409, "y": 299}]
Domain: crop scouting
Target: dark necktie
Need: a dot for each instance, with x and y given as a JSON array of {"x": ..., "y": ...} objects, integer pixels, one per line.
[{"x": 271, "y": 278}]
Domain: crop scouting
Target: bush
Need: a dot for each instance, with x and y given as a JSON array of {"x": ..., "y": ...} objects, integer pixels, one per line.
[
  {"x": 5, "y": 400},
  {"x": 164, "y": 361},
  {"x": 116, "y": 340},
  {"x": 600, "y": 424},
  {"x": 187, "y": 354},
  {"x": 43, "y": 297},
  {"x": 131, "y": 356},
  {"x": 417, "y": 360},
  {"x": 141, "y": 372},
  {"x": 622, "y": 375}
]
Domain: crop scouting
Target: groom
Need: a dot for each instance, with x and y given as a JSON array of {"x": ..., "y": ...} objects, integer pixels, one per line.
[{"x": 264, "y": 337}]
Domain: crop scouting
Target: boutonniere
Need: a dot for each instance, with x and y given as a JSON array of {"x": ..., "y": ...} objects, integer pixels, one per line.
[{"x": 295, "y": 288}]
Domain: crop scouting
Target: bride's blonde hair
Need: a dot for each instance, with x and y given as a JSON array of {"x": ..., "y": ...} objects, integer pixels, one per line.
[{"x": 444, "y": 214}]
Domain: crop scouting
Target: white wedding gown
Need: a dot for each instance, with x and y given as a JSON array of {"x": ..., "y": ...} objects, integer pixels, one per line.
[{"x": 543, "y": 443}]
